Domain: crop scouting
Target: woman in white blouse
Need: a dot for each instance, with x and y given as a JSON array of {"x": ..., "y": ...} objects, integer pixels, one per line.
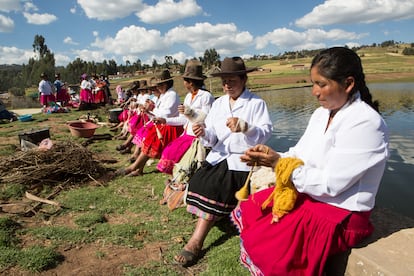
[
  {"x": 237, "y": 121},
  {"x": 344, "y": 151}
]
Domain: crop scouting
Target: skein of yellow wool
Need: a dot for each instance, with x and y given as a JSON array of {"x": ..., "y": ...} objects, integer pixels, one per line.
[
  {"x": 284, "y": 193},
  {"x": 243, "y": 193}
]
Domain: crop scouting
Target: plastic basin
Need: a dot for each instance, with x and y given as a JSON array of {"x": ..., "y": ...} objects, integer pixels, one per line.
[{"x": 82, "y": 129}]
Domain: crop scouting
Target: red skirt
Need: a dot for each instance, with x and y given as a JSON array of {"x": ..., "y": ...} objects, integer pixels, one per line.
[
  {"x": 301, "y": 242},
  {"x": 100, "y": 96},
  {"x": 62, "y": 95},
  {"x": 158, "y": 136}
]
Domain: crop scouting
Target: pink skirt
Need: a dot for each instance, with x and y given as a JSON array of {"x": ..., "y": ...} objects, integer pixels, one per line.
[
  {"x": 123, "y": 116},
  {"x": 86, "y": 96},
  {"x": 141, "y": 133},
  {"x": 173, "y": 152},
  {"x": 136, "y": 122},
  {"x": 46, "y": 99},
  {"x": 301, "y": 242}
]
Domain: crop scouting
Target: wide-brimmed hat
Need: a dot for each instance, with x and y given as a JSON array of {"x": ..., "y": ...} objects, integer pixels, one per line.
[
  {"x": 143, "y": 85},
  {"x": 194, "y": 70},
  {"x": 232, "y": 66},
  {"x": 134, "y": 85},
  {"x": 164, "y": 76}
]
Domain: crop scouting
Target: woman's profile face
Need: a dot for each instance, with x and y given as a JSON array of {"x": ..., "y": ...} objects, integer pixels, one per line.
[
  {"x": 331, "y": 94},
  {"x": 233, "y": 85}
]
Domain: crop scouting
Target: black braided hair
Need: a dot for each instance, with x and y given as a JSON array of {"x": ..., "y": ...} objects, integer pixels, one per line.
[{"x": 339, "y": 63}]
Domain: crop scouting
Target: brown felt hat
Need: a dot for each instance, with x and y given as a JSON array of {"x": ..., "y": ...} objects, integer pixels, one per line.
[
  {"x": 134, "y": 85},
  {"x": 164, "y": 76},
  {"x": 194, "y": 70},
  {"x": 143, "y": 85},
  {"x": 232, "y": 66}
]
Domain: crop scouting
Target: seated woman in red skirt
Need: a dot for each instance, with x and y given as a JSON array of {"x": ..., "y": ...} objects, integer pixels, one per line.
[
  {"x": 333, "y": 174},
  {"x": 158, "y": 135}
]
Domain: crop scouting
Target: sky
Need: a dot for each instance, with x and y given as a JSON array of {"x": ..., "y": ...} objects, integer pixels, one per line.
[{"x": 128, "y": 30}]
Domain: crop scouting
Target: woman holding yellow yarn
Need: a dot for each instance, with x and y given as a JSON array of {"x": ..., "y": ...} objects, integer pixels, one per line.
[{"x": 334, "y": 172}]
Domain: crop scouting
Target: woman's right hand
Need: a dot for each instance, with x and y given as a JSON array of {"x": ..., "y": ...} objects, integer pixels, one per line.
[
  {"x": 181, "y": 109},
  {"x": 260, "y": 155}
]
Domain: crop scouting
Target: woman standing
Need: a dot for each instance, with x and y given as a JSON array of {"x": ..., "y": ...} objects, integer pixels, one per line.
[
  {"x": 45, "y": 91},
  {"x": 343, "y": 153},
  {"x": 237, "y": 121}
]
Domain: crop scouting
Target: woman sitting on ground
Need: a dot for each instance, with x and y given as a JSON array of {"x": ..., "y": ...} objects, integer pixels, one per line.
[
  {"x": 237, "y": 121},
  {"x": 157, "y": 135},
  {"x": 197, "y": 104},
  {"x": 333, "y": 174}
]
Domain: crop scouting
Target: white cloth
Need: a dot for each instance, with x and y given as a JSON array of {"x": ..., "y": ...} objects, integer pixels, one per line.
[
  {"x": 344, "y": 165},
  {"x": 167, "y": 104},
  {"x": 142, "y": 98},
  {"x": 85, "y": 84},
  {"x": 45, "y": 88},
  {"x": 231, "y": 145},
  {"x": 201, "y": 103}
]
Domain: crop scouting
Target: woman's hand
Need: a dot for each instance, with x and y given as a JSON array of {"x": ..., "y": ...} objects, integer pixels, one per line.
[
  {"x": 198, "y": 129},
  {"x": 181, "y": 109},
  {"x": 159, "y": 120},
  {"x": 236, "y": 124},
  {"x": 260, "y": 155}
]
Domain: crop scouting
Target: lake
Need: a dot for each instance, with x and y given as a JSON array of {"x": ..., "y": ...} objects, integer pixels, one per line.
[{"x": 290, "y": 110}]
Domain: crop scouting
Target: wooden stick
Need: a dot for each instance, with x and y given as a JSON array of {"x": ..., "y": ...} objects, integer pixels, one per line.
[{"x": 39, "y": 199}]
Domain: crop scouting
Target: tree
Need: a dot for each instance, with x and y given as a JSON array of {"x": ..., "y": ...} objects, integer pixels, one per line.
[{"x": 211, "y": 58}]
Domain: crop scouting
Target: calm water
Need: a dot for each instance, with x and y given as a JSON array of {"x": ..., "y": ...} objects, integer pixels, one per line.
[{"x": 290, "y": 110}]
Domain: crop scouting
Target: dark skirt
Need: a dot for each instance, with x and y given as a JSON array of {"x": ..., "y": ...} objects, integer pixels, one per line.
[{"x": 211, "y": 190}]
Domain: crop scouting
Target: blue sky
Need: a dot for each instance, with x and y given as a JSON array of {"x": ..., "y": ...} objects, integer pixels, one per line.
[{"x": 94, "y": 30}]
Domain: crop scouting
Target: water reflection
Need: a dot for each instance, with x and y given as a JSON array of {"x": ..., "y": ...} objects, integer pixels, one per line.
[{"x": 290, "y": 110}]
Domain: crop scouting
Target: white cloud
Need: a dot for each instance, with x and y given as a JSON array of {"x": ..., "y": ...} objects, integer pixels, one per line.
[
  {"x": 10, "y": 5},
  {"x": 132, "y": 40},
  {"x": 69, "y": 40},
  {"x": 95, "y": 33},
  {"x": 168, "y": 11},
  {"x": 356, "y": 11},
  {"x": 225, "y": 38},
  {"x": 6, "y": 24},
  {"x": 310, "y": 39},
  {"x": 109, "y": 10},
  {"x": 62, "y": 60},
  {"x": 88, "y": 55},
  {"x": 13, "y": 55},
  {"x": 73, "y": 10},
  {"x": 39, "y": 19},
  {"x": 29, "y": 6}
]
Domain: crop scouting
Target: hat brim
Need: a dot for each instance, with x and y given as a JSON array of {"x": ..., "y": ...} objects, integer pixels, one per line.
[
  {"x": 162, "y": 81},
  {"x": 194, "y": 77},
  {"x": 229, "y": 73}
]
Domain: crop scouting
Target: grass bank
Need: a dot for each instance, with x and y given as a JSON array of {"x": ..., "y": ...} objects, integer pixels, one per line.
[{"x": 110, "y": 226}]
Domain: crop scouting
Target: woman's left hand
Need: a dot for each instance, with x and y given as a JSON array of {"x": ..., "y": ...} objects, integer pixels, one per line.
[{"x": 236, "y": 124}]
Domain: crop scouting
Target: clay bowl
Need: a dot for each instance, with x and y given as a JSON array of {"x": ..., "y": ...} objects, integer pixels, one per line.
[{"x": 82, "y": 129}]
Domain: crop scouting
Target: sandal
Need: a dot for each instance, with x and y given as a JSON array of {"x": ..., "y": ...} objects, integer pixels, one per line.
[
  {"x": 120, "y": 147},
  {"x": 190, "y": 258}
]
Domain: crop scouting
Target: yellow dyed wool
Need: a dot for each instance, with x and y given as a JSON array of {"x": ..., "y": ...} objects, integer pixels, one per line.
[{"x": 284, "y": 193}]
